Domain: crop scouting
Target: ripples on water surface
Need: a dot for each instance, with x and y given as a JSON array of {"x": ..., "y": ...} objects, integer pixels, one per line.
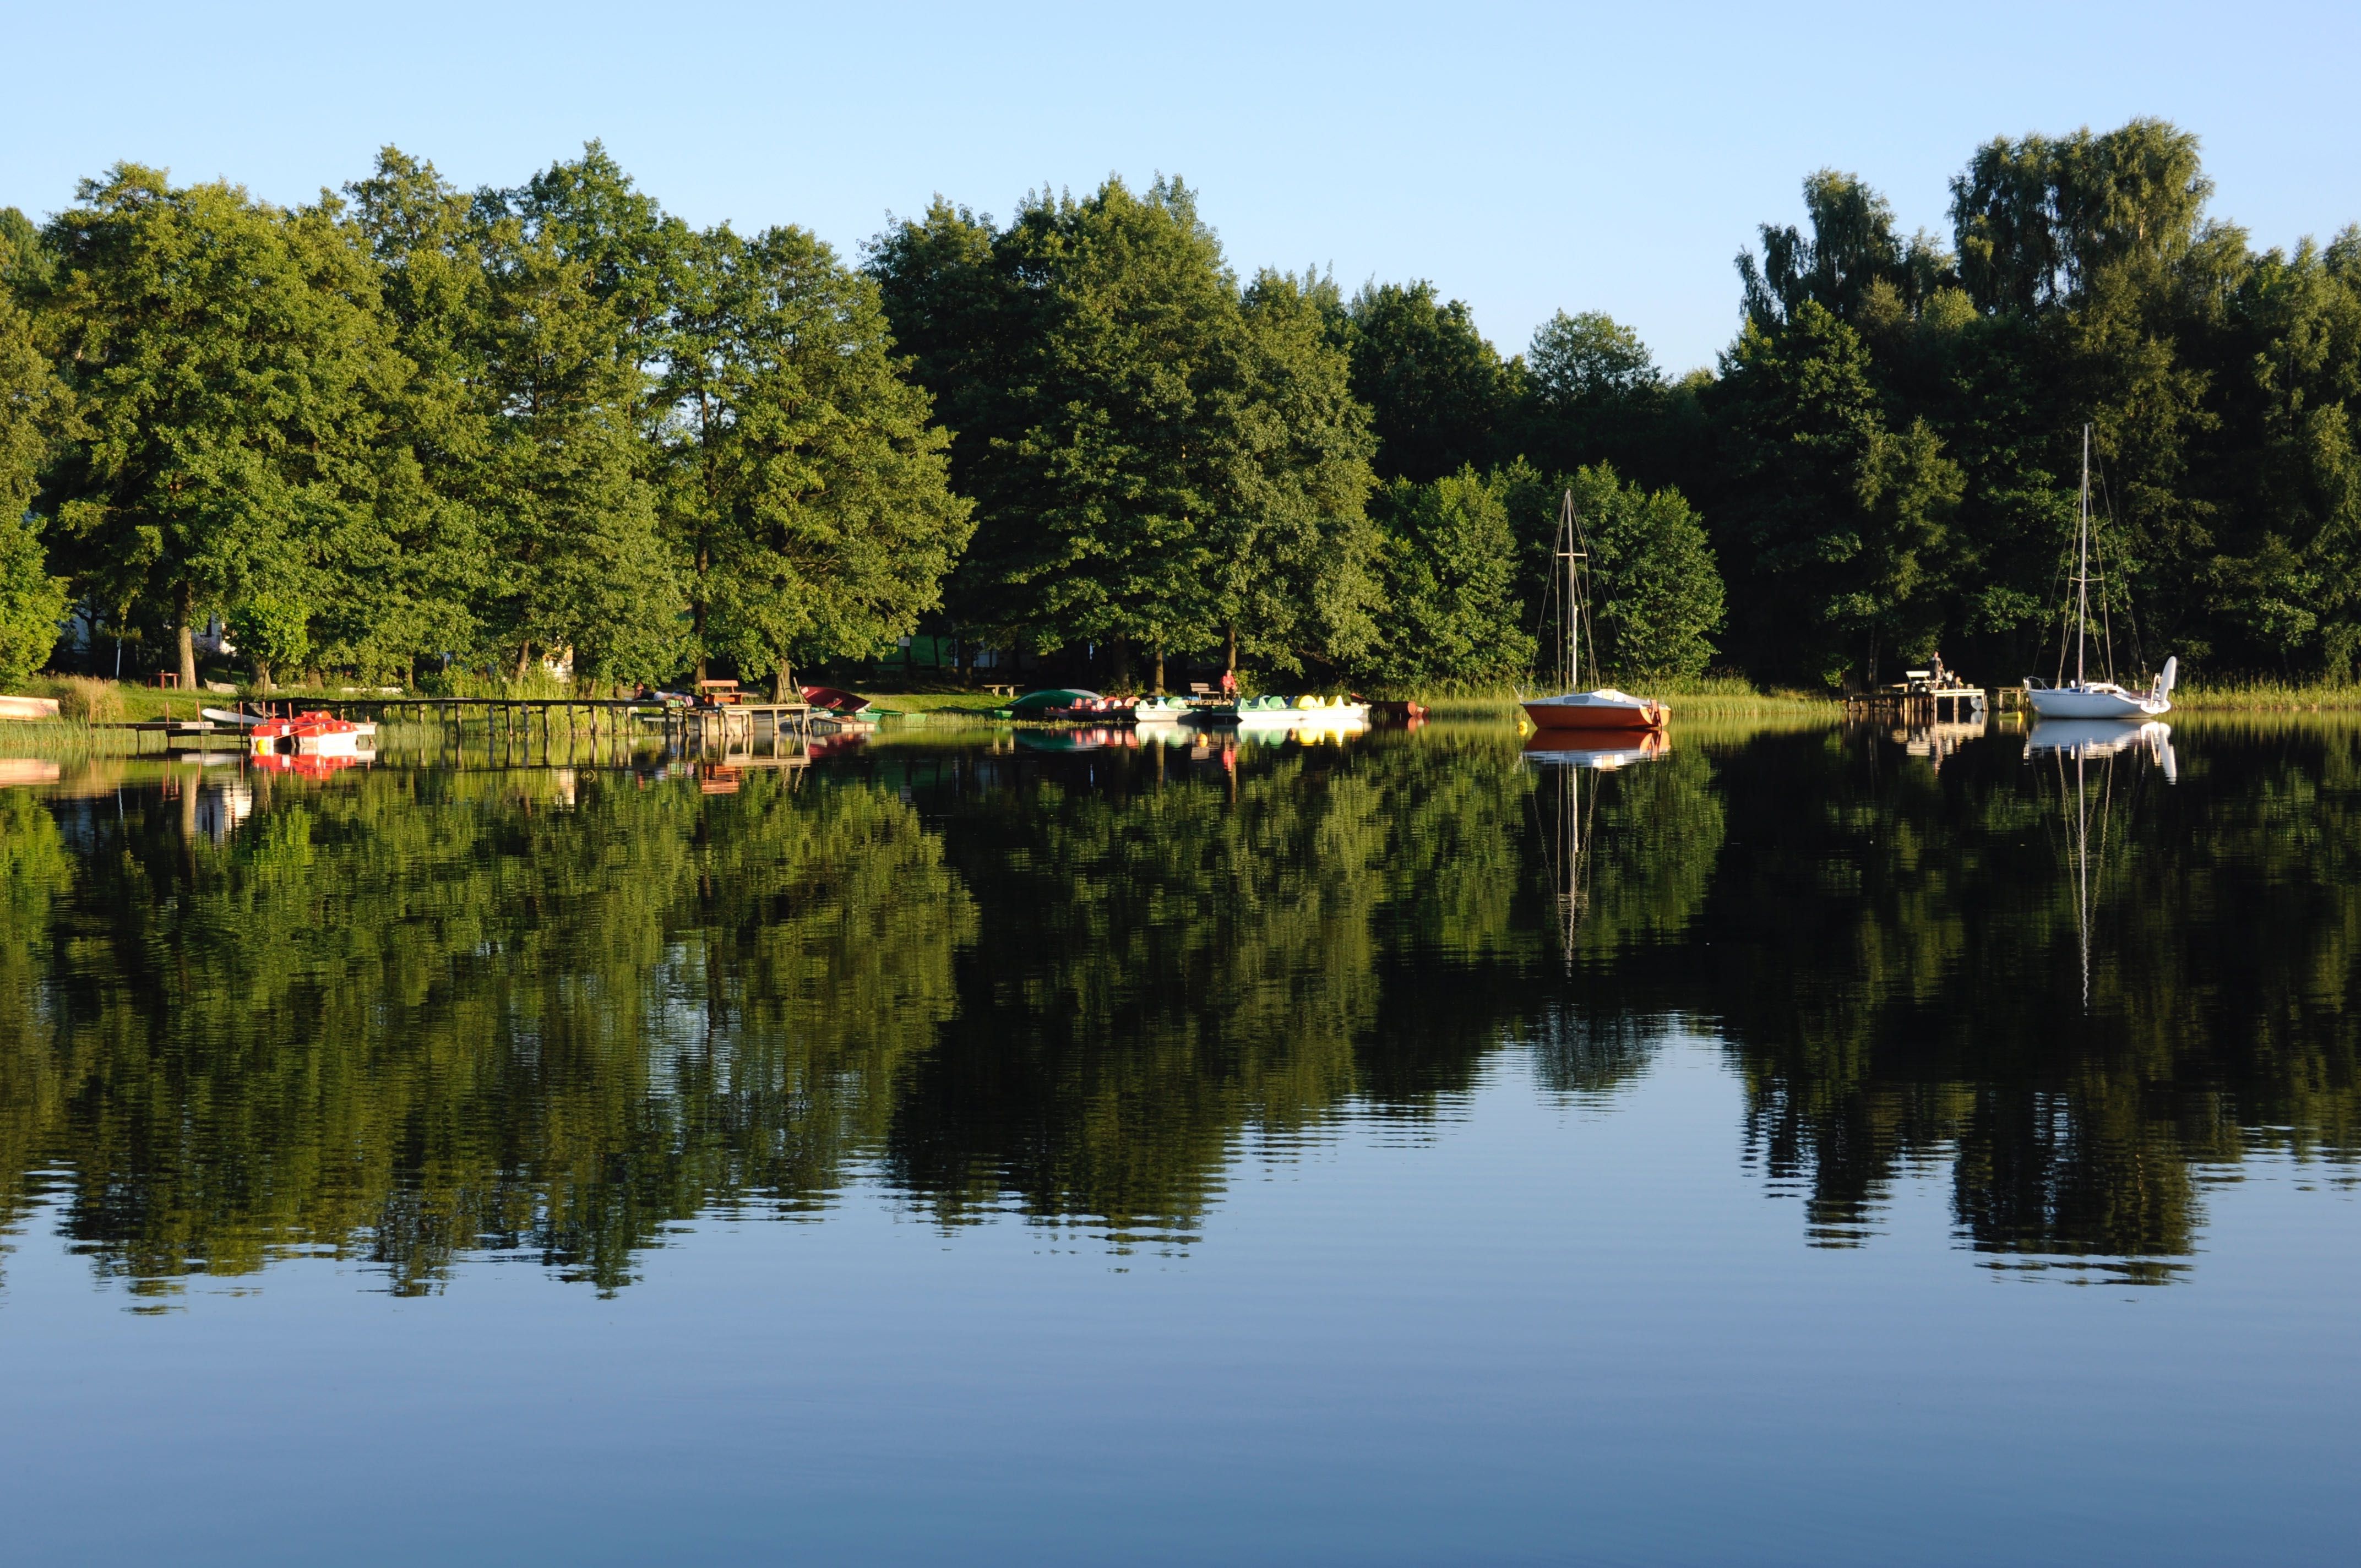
[{"x": 1857, "y": 1151}]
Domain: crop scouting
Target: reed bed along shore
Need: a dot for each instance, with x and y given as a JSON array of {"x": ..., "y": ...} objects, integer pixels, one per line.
[
  {"x": 2269, "y": 696},
  {"x": 66, "y": 739},
  {"x": 1719, "y": 697}
]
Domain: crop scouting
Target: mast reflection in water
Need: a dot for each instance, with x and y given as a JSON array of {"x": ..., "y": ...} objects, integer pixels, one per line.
[{"x": 2080, "y": 744}]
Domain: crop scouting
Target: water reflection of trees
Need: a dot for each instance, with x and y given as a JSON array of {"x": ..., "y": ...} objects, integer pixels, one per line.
[
  {"x": 496, "y": 1022},
  {"x": 1896, "y": 959},
  {"x": 1186, "y": 956},
  {"x": 405, "y": 1015}
]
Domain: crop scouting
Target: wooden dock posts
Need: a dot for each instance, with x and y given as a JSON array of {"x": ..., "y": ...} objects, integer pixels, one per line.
[
  {"x": 545, "y": 729},
  {"x": 561, "y": 724},
  {"x": 181, "y": 737},
  {"x": 1921, "y": 700}
]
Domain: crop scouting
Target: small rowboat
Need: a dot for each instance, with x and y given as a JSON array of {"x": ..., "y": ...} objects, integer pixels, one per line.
[{"x": 831, "y": 697}]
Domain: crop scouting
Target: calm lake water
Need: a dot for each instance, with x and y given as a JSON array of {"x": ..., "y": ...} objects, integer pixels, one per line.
[{"x": 1810, "y": 1147}]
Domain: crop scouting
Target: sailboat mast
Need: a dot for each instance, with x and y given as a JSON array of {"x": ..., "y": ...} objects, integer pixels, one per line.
[
  {"x": 2082, "y": 562},
  {"x": 1571, "y": 663},
  {"x": 1572, "y": 613}
]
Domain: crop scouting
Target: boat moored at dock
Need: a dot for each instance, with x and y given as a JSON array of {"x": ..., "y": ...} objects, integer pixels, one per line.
[
  {"x": 313, "y": 734},
  {"x": 1282, "y": 713}
]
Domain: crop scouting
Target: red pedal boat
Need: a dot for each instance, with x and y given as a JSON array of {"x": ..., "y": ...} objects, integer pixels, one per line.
[{"x": 313, "y": 734}]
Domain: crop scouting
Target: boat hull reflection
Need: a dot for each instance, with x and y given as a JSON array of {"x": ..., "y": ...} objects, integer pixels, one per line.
[
  {"x": 2089, "y": 739},
  {"x": 1574, "y": 749}
]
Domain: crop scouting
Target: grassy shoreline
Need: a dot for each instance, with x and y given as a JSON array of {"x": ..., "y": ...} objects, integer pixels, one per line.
[{"x": 1717, "y": 700}]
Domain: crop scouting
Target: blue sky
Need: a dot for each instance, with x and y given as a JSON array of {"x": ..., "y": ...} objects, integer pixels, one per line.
[{"x": 1525, "y": 158}]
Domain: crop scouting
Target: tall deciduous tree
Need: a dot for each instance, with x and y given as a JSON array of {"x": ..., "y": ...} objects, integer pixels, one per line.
[
  {"x": 32, "y": 601},
  {"x": 2289, "y": 599},
  {"x": 806, "y": 495},
  {"x": 577, "y": 564},
  {"x": 1438, "y": 393},
  {"x": 572, "y": 322},
  {"x": 417, "y": 583},
  {"x": 2094, "y": 247},
  {"x": 230, "y": 367},
  {"x": 1296, "y": 569},
  {"x": 1450, "y": 561},
  {"x": 1851, "y": 252},
  {"x": 1839, "y": 517},
  {"x": 1592, "y": 393},
  {"x": 589, "y": 211},
  {"x": 1656, "y": 589},
  {"x": 1161, "y": 460},
  {"x": 32, "y": 402},
  {"x": 1113, "y": 482}
]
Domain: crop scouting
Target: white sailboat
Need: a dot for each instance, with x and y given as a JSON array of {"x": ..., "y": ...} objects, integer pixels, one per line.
[{"x": 2083, "y": 697}]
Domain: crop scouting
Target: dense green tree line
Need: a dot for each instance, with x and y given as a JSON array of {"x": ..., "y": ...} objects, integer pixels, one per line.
[
  {"x": 1888, "y": 455},
  {"x": 551, "y": 422},
  {"x": 410, "y": 424},
  {"x": 408, "y": 421},
  {"x": 1165, "y": 459}
]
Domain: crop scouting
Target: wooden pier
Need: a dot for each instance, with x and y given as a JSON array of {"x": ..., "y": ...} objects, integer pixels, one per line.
[
  {"x": 180, "y": 737},
  {"x": 731, "y": 734},
  {"x": 1927, "y": 697},
  {"x": 574, "y": 718}
]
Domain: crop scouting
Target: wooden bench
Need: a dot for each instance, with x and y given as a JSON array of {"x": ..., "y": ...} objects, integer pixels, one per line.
[{"x": 1200, "y": 688}]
